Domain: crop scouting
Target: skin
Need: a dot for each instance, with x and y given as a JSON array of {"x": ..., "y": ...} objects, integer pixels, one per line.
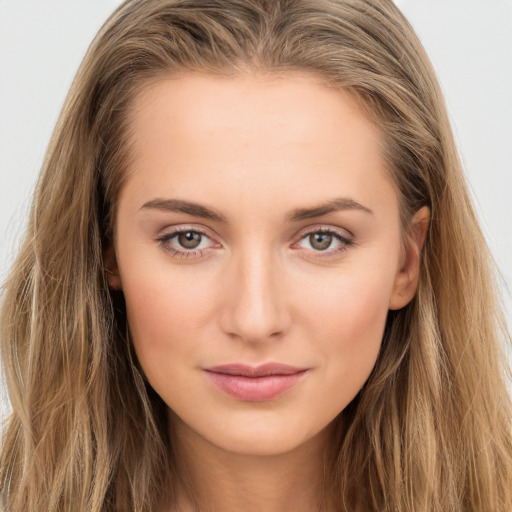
[{"x": 254, "y": 150}]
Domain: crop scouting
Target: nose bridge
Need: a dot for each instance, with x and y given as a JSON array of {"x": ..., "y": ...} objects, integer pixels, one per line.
[{"x": 254, "y": 310}]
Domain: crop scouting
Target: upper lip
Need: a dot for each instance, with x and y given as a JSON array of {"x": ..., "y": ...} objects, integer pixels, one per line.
[{"x": 262, "y": 370}]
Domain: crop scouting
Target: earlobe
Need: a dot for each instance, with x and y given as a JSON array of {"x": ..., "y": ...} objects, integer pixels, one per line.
[
  {"x": 112, "y": 269},
  {"x": 406, "y": 281}
]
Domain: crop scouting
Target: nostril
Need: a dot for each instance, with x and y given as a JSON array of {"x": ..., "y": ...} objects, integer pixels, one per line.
[{"x": 253, "y": 307}]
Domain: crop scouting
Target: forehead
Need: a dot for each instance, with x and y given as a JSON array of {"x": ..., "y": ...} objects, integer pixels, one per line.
[
  {"x": 295, "y": 101},
  {"x": 258, "y": 134}
]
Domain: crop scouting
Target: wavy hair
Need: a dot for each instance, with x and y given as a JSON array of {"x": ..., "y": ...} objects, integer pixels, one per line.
[{"x": 431, "y": 429}]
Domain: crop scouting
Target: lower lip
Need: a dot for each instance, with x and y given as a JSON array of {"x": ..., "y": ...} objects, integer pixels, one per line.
[{"x": 254, "y": 389}]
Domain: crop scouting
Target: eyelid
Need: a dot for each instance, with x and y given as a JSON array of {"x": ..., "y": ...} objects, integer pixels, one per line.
[
  {"x": 345, "y": 237},
  {"x": 171, "y": 231},
  {"x": 325, "y": 228},
  {"x": 175, "y": 229}
]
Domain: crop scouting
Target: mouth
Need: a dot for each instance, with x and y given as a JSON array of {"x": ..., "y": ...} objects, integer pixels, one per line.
[{"x": 255, "y": 383}]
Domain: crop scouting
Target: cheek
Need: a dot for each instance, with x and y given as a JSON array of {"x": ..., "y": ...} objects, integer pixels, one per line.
[
  {"x": 349, "y": 318},
  {"x": 166, "y": 313},
  {"x": 351, "y": 303},
  {"x": 361, "y": 327}
]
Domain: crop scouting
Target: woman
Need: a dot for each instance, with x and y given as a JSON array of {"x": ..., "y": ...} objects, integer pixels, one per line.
[{"x": 253, "y": 279}]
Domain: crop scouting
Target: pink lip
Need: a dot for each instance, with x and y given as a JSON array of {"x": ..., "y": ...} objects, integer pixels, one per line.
[{"x": 255, "y": 384}]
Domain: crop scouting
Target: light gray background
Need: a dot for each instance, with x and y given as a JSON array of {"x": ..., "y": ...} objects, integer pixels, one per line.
[{"x": 469, "y": 41}]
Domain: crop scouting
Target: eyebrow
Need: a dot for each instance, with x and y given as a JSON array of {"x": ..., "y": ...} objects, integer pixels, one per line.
[
  {"x": 298, "y": 214},
  {"x": 178, "y": 205},
  {"x": 331, "y": 206}
]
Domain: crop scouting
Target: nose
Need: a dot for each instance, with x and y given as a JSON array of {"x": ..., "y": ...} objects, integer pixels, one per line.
[{"x": 254, "y": 308}]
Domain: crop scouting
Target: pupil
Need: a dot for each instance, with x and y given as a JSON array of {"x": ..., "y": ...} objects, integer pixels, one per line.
[
  {"x": 189, "y": 240},
  {"x": 320, "y": 241}
]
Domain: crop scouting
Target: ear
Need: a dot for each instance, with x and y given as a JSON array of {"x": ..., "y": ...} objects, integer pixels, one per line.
[
  {"x": 111, "y": 268},
  {"x": 406, "y": 281}
]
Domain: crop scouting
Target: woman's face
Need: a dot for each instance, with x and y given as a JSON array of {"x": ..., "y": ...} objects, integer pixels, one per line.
[{"x": 258, "y": 247}]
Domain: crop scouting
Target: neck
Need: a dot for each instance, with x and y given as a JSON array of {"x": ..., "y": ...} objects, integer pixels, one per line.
[{"x": 214, "y": 479}]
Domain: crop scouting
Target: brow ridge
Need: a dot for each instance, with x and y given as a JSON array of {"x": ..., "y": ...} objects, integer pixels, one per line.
[
  {"x": 179, "y": 205},
  {"x": 331, "y": 206},
  {"x": 295, "y": 215}
]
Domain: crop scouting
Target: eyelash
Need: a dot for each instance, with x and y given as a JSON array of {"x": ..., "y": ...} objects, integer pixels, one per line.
[
  {"x": 167, "y": 247},
  {"x": 164, "y": 242},
  {"x": 345, "y": 242}
]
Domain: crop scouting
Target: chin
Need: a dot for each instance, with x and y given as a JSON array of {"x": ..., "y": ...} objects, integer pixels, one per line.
[{"x": 259, "y": 433}]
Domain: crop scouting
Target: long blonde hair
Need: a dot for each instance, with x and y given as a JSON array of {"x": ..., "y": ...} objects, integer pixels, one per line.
[{"x": 430, "y": 430}]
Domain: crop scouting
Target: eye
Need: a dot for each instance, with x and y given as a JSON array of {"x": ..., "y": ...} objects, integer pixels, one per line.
[
  {"x": 189, "y": 239},
  {"x": 320, "y": 241},
  {"x": 324, "y": 240},
  {"x": 187, "y": 242}
]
